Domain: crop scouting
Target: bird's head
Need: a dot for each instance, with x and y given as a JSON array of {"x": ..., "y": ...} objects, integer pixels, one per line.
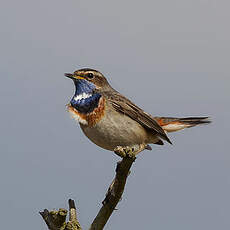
[
  {"x": 89, "y": 86},
  {"x": 89, "y": 78}
]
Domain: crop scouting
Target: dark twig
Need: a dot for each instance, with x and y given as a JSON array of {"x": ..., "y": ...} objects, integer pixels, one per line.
[{"x": 114, "y": 193}]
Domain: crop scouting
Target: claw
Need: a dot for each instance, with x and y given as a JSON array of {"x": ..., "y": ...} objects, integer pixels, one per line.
[
  {"x": 130, "y": 151},
  {"x": 126, "y": 151},
  {"x": 148, "y": 147}
]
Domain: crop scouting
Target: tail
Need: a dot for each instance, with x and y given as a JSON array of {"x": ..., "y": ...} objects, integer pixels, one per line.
[{"x": 171, "y": 124}]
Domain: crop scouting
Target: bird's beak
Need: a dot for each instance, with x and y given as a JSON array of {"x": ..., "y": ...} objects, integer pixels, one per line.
[
  {"x": 73, "y": 76},
  {"x": 70, "y": 75}
]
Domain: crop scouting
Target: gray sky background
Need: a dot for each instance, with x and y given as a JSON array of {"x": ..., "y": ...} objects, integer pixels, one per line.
[{"x": 169, "y": 57}]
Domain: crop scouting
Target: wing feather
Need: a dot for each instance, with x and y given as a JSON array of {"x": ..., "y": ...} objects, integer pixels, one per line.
[{"x": 125, "y": 106}]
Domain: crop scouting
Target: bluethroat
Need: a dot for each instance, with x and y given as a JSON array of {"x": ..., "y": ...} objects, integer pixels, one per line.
[{"x": 113, "y": 122}]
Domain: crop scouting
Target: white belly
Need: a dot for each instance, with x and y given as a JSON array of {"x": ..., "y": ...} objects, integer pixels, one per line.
[{"x": 116, "y": 129}]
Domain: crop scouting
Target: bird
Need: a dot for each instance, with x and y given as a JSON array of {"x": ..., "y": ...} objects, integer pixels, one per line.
[{"x": 113, "y": 122}]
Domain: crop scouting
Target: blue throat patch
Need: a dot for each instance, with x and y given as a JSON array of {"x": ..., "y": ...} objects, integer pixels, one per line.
[{"x": 88, "y": 104}]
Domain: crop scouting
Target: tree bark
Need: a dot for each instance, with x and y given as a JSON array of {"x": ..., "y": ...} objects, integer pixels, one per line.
[
  {"x": 114, "y": 194},
  {"x": 56, "y": 220}
]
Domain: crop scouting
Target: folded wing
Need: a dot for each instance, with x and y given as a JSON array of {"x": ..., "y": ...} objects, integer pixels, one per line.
[{"x": 125, "y": 106}]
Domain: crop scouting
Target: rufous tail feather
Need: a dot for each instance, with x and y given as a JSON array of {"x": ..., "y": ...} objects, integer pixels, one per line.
[{"x": 172, "y": 124}]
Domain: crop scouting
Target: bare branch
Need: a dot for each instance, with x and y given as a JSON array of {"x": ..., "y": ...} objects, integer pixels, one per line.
[
  {"x": 114, "y": 193},
  {"x": 56, "y": 220},
  {"x": 73, "y": 223}
]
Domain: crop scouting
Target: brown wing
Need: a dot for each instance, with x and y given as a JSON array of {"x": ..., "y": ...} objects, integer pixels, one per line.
[{"x": 125, "y": 106}]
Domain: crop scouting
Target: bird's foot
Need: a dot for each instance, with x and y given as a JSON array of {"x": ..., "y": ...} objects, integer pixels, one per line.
[
  {"x": 125, "y": 151},
  {"x": 129, "y": 151}
]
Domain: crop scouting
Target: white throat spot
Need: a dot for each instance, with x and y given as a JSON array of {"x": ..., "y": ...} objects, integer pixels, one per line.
[{"x": 82, "y": 96}]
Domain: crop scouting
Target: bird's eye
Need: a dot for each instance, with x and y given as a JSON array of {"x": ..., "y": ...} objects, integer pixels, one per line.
[{"x": 90, "y": 75}]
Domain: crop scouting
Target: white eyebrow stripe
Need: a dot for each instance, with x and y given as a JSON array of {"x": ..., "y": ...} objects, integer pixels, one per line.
[{"x": 82, "y": 96}]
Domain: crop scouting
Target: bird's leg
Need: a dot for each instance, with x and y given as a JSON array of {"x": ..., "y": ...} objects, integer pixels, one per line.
[{"x": 130, "y": 151}]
